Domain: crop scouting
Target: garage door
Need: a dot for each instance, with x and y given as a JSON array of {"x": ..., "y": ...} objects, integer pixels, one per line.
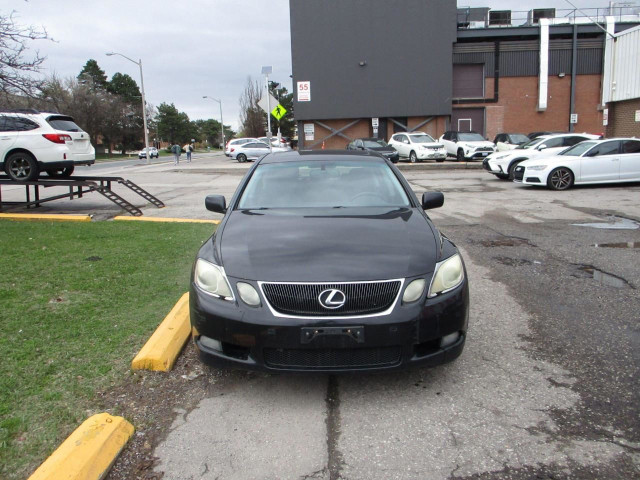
[
  {"x": 468, "y": 81},
  {"x": 468, "y": 120}
]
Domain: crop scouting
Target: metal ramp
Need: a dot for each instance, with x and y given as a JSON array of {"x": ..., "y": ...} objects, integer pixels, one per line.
[{"x": 79, "y": 186}]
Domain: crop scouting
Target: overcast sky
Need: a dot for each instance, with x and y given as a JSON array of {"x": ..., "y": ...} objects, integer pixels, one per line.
[{"x": 188, "y": 49}]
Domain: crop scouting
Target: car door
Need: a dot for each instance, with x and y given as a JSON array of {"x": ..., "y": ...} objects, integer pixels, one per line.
[
  {"x": 403, "y": 146},
  {"x": 8, "y": 135},
  {"x": 630, "y": 160},
  {"x": 448, "y": 140},
  {"x": 601, "y": 163},
  {"x": 501, "y": 144}
]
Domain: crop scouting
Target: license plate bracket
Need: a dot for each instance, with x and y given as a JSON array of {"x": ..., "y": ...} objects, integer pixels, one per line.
[{"x": 309, "y": 334}]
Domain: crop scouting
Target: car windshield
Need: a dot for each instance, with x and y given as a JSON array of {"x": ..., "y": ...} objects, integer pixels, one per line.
[
  {"x": 531, "y": 143},
  {"x": 374, "y": 143},
  {"x": 470, "y": 137},
  {"x": 323, "y": 184},
  {"x": 423, "y": 138},
  {"x": 578, "y": 149},
  {"x": 518, "y": 138}
]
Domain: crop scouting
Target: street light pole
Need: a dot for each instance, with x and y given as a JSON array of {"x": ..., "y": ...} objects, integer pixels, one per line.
[
  {"x": 144, "y": 103},
  {"x": 221, "y": 122}
]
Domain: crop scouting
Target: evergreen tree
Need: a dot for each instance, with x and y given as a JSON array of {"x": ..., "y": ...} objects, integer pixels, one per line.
[
  {"x": 125, "y": 86},
  {"x": 93, "y": 71}
]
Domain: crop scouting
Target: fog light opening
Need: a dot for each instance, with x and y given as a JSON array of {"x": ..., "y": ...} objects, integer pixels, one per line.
[
  {"x": 449, "y": 339},
  {"x": 211, "y": 343}
]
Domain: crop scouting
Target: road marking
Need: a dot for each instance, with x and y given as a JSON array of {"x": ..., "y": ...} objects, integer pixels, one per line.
[
  {"x": 45, "y": 217},
  {"x": 162, "y": 219}
]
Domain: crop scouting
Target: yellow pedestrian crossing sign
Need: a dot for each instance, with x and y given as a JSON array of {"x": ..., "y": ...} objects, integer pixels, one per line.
[{"x": 279, "y": 112}]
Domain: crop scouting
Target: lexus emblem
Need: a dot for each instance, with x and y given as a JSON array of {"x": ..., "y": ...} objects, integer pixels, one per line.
[{"x": 332, "y": 298}]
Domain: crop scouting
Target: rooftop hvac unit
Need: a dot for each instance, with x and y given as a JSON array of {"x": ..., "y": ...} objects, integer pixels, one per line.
[
  {"x": 537, "y": 13},
  {"x": 468, "y": 16},
  {"x": 500, "y": 17}
]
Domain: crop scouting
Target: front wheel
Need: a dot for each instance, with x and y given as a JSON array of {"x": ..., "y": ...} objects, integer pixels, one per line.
[
  {"x": 21, "y": 167},
  {"x": 439, "y": 160},
  {"x": 413, "y": 158},
  {"x": 560, "y": 179},
  {"x": 242, "y": 158},
  {"x": 460, "y": 156},
  {"x": 60, "y": 172},
  {"x": 512, "y": 170}
]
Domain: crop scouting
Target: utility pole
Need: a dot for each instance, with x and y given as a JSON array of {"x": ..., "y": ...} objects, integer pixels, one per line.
[{"x": 266, "y": 71}]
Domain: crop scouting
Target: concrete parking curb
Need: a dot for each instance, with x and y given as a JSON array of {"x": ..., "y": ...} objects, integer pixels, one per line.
[
  {"x": 45, "y": 217},
  {"x": 89, "y": 452},
  {"x": 162, "y": 349},
  {"x": 167, "y": 220}
]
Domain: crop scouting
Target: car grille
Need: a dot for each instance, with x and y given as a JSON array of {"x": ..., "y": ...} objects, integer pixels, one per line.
[
  {"x": 518, "y": 173},
  {"x": 362, "y": 298},
  {"x": 332, "y": 358}
]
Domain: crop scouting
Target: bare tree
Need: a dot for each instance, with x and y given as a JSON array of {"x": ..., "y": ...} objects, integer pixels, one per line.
[
  {"x": 251, "y": 116},
  {"x": 16, "y": 71}
]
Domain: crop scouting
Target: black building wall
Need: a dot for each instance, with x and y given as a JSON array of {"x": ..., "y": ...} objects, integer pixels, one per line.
[{"x": 407, "y": 47}]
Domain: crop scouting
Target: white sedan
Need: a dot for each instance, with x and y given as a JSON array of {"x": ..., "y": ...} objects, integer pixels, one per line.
[
  {"x": 601, "y": 161},
  {"x": 503, "y": 164}
]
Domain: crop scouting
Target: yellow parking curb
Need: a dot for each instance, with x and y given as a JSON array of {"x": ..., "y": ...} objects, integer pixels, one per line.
[
  {"x": 168, "y": 220},
  {"x": 162, "y": 349},
  {"x": 89, "y": 452},
  {"x": 46, "y": 217}
]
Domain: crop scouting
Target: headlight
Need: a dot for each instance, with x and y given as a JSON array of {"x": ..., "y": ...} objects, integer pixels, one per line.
[
  {"x": 500, "y": 157},
  {"x": 537, "y": 167},
  {"x": 413, "y": 291},
  {"x": 248, "y": 294},
  {"x": 211, "y": 279},
  {"x": 449, "y": 274}
]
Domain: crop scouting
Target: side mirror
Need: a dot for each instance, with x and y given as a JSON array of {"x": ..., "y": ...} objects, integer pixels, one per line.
[
  {"x": 432, "y": 200},
  {"x": 216, "y": 203},
  {"x": 542, "y": 147}
]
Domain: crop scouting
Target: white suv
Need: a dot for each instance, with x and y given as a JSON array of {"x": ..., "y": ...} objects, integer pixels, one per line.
[
  {"x": 417, "y": 146},
  {"x": 467, "y": 145},
  {"x": 503, "y": 164},
  {"x": 32, "y": 142}
]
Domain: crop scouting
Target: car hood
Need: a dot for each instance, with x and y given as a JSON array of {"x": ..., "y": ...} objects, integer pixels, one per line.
[
  {"x": 548, "y": 160},
  {"x": 431, "y": 144},
  {"x": 388, "y": 149},
  {"x": 478, "y": 143},
  {"x": 323, "y": 245}
]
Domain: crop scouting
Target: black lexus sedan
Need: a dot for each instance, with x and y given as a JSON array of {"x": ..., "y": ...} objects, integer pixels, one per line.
[
  {"x": 376, "y": 145},
  {"x": 326, "y": 261}
]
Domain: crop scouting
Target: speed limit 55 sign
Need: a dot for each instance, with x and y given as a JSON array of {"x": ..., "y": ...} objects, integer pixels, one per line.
[{"x": 304, "y": 91}]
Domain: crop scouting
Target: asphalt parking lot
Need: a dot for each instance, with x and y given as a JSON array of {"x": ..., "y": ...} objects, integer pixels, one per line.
[{"x": 547, "y": 386}]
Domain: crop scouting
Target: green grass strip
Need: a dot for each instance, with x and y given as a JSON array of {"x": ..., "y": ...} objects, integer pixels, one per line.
[{"x": 77, "y": 301}]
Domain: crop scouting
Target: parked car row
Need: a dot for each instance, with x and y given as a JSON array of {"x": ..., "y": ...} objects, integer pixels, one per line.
[{"x": 561, "y": 161}]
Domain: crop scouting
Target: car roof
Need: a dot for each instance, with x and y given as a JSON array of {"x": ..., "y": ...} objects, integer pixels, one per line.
[
  {"x": 574, "y": 134},
  {"x": 296, "y": 155}
]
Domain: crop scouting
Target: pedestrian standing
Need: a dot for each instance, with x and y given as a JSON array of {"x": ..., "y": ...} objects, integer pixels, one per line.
[
  {"x": 176, "y": 154},
  {"x": 188, "y": 148}
]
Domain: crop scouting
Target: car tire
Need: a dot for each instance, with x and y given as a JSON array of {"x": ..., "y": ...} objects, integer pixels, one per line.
[
  {"x": 241, "y": 158},
  {"x": 413, "y": 157},
  {"x": 512, "y": 169},
  {"x": 560, "y": 178},
  {"x": 460, "y": 155},
  {"x": 21, "y": 167},
  {"x": 60, "y": 172},
  {"x": 439, "y": 160}
]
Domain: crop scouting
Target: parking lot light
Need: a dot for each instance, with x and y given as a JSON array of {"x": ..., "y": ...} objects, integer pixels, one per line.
[
  {"x": 221, "y": 122},
  {"x": 144, "y": 104}
]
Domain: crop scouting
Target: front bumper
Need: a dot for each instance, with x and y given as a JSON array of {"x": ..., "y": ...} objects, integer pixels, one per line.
[
  {"x": 473, "y": 154},
  {"x": 253, "y": 338},
  {"x": 430, "y": 154}
]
